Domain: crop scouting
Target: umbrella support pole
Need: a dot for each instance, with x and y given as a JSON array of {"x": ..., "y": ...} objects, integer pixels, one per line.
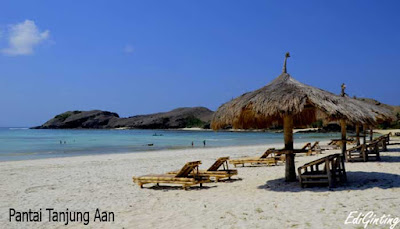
[
  {"x": 290, "y": 168},
  {"x": 365, "y": 134},
  {"x": 344, "y": 138},
  {"x": 358, "y": 134},
  {"x": 371, "y": 134}
]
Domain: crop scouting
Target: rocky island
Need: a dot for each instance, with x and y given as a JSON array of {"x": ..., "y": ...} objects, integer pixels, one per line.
[{"x": 186, "y": 117}]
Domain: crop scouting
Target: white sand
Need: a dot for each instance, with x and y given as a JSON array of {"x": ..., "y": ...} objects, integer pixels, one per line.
[{"x": 260, "y": 199}]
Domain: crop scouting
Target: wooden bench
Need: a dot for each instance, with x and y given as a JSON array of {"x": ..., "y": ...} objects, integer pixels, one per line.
[
  {"x": 383, "y": 140},
  {"x": 357, "y": 154},
  {"x": 328, "y": 170},
  {"x": 366, "y": 152},
  {"x": 372, "y": 150}
]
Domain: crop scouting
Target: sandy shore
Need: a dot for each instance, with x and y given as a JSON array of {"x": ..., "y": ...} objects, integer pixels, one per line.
[{"x": 258, "y": 199}]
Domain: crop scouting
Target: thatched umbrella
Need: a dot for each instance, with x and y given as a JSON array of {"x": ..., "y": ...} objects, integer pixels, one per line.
[
  {"x": 285, "y": 101},
  {"x": 381, "y": 114}
]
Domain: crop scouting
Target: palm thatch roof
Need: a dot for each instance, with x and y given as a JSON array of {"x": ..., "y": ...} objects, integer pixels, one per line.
[
  {"x": 380, "y": 113},
  {"x": 286, "y": 96}
]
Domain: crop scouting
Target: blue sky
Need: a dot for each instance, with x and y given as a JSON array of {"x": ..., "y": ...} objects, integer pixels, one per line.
[{"x": 137, "y": 57}]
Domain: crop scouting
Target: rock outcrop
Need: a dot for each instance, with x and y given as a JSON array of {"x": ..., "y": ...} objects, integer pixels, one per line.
[{"x": 96, "y": 119}]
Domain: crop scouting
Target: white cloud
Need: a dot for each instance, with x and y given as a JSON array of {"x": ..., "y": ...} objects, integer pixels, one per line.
[
  {"x": 23, "y": 37},
  {"x": 128, "y": 49}
]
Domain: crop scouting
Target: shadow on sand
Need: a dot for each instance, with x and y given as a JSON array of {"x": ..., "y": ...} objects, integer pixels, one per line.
[
  {"x": 229, "y": 180},
  {"x": 170, "y": 188},
  {"x": 389, "y": 159},
  {"x": 205, "y": 185},
  {"x": 355, "y": 181}
]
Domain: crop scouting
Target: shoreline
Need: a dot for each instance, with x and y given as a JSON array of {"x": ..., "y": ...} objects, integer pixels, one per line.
[
  {"x": 157, "y": 152},
  {"x": 157, "y": 148}
]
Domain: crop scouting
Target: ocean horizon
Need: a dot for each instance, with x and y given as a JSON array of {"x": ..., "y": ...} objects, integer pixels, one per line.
[{"x": 21, "y": 143}]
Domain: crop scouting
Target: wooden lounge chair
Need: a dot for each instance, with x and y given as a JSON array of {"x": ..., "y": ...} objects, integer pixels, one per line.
[
  {"x": 327, "y": 170},
  {"x": 365, "y": 152},
  {"x": 383, "y": 140},
  {"x": 266, "y": 158},
  {"x": 215, "y": 172},
  {"x": 307, "y": 145},
  {"x": 337, "y": 143},
  {"x": 356, "y": 154},
  {"x": 372, "y": 151},
  {"x": 315, "y": 148},
  {"x": 186, "y": 177},
  {"x": 334, "y": 144}
]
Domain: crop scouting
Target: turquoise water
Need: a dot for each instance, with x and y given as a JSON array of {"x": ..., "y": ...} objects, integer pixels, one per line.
[{"x": 25, "y": 144}]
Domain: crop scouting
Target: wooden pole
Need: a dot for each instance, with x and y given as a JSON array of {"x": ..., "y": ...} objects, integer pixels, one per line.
[
  {"x": 365, "y": 134},
  {"x": 371, "y": 134},
  {"x": 358, "y": 134},
  {"x": 290, "y": 170},
  {"x": 344, "y": 138}
]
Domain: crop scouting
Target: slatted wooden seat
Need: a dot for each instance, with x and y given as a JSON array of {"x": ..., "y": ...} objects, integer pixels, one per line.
[
  {"x": 372, "y": 150},
  {"x": 266, "y": 158},
  {"x": 315, "y": 148},
  {"x": 333, "y": 144},
  {"x": 383, "y": 140},
  {"x": 357, "y": 154},
  {"x": 328, "y": 170},
  {"x": 365, "y": 152},
  {"x": 215, "y": 172},
  {"x": 187, "y": 176}
]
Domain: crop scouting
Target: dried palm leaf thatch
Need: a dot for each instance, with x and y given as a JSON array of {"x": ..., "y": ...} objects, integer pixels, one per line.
[
  {"x": 380, "y": 113},
  {"x": 286, "y": 96}
]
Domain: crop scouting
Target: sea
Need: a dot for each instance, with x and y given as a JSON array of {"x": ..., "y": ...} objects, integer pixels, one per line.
[{"x": 28, "y": 144}]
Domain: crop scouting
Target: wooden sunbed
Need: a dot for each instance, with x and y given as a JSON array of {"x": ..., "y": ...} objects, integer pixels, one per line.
[
  {"x": 187, "y": 176},
  {"x": 372, "y": 151},
  {"x": 365, "y": 152},
  {"x": 337, "y": 143},
  {"x": 315, "y": 148},
  {"x": 328, "y": 170},
  {"x": 266, "y": 158},
  {"x": 215, "y": 172},
  {"x": 383, "y": 140},
  {"x": 334, "y": 144},
  {"x": 356, "y": 154}
]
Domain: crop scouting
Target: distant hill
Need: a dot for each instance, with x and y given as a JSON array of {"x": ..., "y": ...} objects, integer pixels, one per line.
[{"x": 185, "y": 117}]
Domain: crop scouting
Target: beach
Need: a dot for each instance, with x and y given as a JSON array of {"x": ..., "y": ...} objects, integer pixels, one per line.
[{"x": 257, "y": 198}]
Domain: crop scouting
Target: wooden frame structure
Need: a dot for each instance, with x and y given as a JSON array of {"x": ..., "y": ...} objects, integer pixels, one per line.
[
  {"x": 314, "y": 148},
  {"x": 263, "y": 159},
  {"x": 369, "y": 151},
  {"x": 328, "y": 170},
  {"x": 187, "y": 176},
  {"x": 215, "y": 172}
]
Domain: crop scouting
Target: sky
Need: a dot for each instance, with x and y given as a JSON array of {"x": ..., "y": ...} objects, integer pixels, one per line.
[{"x": 140, "y": 57}]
